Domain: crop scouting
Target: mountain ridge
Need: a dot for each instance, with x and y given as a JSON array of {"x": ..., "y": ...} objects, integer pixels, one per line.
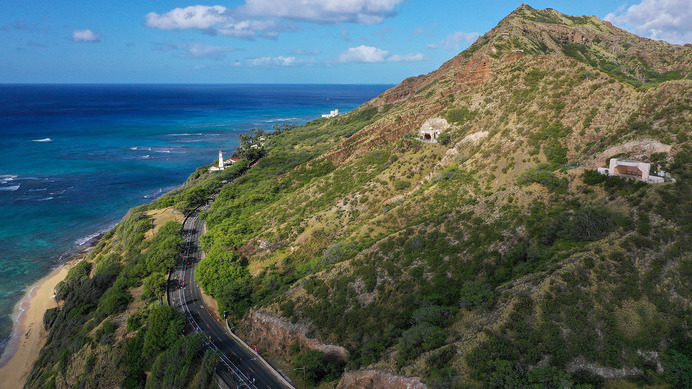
[{"x": 474, "y": 66}]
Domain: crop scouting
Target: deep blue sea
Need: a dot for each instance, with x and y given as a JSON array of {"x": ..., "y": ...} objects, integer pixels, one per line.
[{"x": 75, "y": 158}]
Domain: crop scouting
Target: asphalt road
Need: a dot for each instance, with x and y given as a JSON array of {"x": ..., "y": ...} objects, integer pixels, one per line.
[{"x": 238, "y": 366}]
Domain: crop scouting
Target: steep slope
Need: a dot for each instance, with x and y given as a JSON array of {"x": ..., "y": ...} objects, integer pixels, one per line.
[
  {"x": 456, "y": 261},
  {"x": 495, "y": 257},
  {"x": 531, "y": 37}
]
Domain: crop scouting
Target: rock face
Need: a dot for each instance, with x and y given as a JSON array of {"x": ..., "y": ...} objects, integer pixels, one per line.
[
  {"x": 376, "y": 379},
  {"x": 435, "y": 124},
  {"x": 276, "y": 335}
]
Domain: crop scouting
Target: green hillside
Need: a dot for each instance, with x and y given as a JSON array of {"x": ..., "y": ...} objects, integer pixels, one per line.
[{"x": 495, "y": 257}]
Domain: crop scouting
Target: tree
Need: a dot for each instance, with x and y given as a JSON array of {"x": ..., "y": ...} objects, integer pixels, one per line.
[
  {"x": 444, "y": 138},
  {"x": 678, "y": 369},
  {"x": 164, "y": 326},
  {"x": 318, "y": 367}
]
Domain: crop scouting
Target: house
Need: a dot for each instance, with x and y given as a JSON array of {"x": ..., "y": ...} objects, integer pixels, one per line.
[
  {"x": 628, "y": 168},
  {"x": 432, "y": 128}
]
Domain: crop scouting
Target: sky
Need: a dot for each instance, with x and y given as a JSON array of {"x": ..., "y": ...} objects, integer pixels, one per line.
[{"x": 273, "y": 41}]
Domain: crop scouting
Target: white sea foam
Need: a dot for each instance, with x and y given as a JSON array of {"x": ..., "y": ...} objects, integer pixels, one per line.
[
  {"x": 43, "y": 140},
  {"x": 163, "y": 151},
  {"x": 280, "y": 120},
  {"x": 38, "y": 190},
  {"x": 133, "y": 148},
  {"x": 5, "y": 178},
  {"x": 46, "y": 198},
  {"x": 89, "y": 238},
  {"x": 186, "y": 134},
  {"x": 160, "y": 191},
  {"x": 12, "y": 188},
  {"x": 146, "y": 156}
]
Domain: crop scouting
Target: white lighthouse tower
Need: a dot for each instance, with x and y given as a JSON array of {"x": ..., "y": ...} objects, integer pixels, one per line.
[{"x": 220, "y": 159}]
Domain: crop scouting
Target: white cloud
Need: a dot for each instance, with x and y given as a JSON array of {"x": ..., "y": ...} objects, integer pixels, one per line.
[
  {"x": 324, "y": 11},
  {"x": 214, "y": 20},
  {"x": 267, "y": 18},
  {"x": 247, "y": 29},
  {"x": 407, "y": 58},
  {"x": 454, "y": 40},
  {"x": 669, "y": 20},
  {"x": 273, "y": 61},
  {"x": 199, "y": 17},
  {"x": 369, "y": 54},
  {"x": 85, "y": 36},
  {"x": 196, "y": 50}
]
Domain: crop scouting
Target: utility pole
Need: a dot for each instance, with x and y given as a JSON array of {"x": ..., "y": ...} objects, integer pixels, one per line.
[{"x": 305, "y": 382}]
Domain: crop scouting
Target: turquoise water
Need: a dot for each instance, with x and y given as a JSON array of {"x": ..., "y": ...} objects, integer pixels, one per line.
[{"x": 75, "y": 158}]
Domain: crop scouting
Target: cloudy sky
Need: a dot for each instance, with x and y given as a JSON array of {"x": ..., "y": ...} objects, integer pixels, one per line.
[{"x": 273, "y": 41}]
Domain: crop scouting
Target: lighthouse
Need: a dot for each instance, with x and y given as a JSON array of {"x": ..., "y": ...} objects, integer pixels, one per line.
[{"x": 220, "y": 159}]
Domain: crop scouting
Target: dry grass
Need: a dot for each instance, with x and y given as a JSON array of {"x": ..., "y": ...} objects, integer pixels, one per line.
[{"x": 161, "y": 217}]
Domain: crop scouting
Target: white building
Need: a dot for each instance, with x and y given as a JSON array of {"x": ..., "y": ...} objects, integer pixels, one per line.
[
  {"x": 432, "y": 128},
  {"x": 222, "y": 164},
  {"x": 627, "y": 168},
  {"x": 331, "y": 114}
]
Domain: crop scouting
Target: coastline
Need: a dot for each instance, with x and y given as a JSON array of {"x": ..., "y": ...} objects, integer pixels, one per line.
[{"x": 29, "y": 335}]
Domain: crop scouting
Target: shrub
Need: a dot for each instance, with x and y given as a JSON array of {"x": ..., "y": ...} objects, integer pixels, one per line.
[
  {"x": 75, "y": 277},
  {"x": 50, "y": 316},
  {"x": 418, "y": 339},
  {"x": 432, "y": 315},
  {"x": 164, "y": 327},
  {"x": 476, "y": 294},
  {"x": 401, "y": 184},
  {"x": 587, "y": 224},
  {"x": 318, "y": 367},
  {"x": 444, "y": 138},
  {"x": 542, "y": 175},
  {"x": 592, "y": 177},
  {"x": 678, "y": 369},
  {"x": 174, "y": 367},
  {"x": 555, "y": 152},
  {"x": 460, "y": 115}
]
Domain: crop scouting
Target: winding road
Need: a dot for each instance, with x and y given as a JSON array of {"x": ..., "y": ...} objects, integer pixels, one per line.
[{"x": 238, "y": 367}]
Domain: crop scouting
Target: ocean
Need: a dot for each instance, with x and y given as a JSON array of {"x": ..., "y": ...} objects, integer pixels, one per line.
[{"x": 75, "y": 158}]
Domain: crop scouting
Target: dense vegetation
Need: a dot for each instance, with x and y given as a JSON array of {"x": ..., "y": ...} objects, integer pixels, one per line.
[
  {"x": 497, "y": 258},
  {"x": 113, "y": 327}
]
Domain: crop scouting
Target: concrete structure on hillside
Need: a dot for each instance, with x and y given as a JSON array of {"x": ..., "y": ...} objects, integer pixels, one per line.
[
  {"x": 635, "y": 170},
  {"x": 331, "y": 114},
  {"x": 432, "y": 128}
]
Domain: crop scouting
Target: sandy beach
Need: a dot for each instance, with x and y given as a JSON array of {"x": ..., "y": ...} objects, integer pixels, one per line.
[{"x": 29, "y": 335}]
